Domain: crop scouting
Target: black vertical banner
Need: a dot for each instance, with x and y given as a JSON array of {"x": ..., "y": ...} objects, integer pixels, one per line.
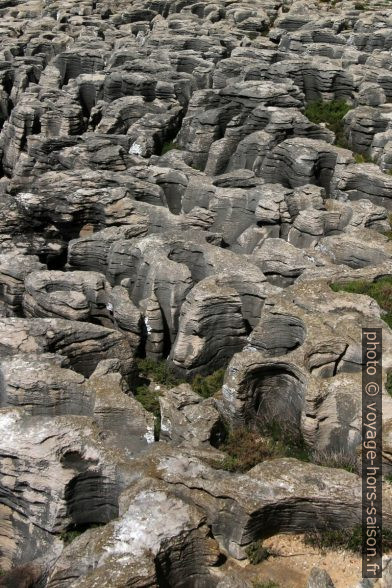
[{"x": 371, "y": 453}]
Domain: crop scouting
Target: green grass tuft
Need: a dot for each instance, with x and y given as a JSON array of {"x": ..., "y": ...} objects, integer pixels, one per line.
[
  {"x": 160, "y": 372},
  {"x": 348, "y": 539},
  {"x": 336, "y": 459},
  {"x": 381, "y": 291},
  {"x": 362, "y": 158},
  {"x": 244, "y": 449},
  {"x": 267, "y": 584},
  {"x": 74, "y": 532},
  {"x": 332, "y": 114},
  {"x": 169, "y": 146},
  {"x": 389, "y": 233},
  {"x": 257, "y": 553},
  {"x": 389, "y": 383},
  {"x": 208, "y": 386},
  {"x": 154, "y": 372}
]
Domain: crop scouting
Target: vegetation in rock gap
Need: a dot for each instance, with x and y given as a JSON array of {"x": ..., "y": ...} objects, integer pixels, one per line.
[
  {"x": 285, "y": 443},
  {"x": 336, "y": 459},
  {"x": 154, "y": 374},
  {"x": 362, "y": 158},
  {"x": 388, "y": 478},
  {"x": 381, "y": 291},
  {"x": 75, "y": 531},
  {"x": 389, "y": 233},
  {"x": 158, "y": 371},
  {"x": 332, "y": 114},
  {"x": 257, "y": 553},
  {"x": 148, "y": 397},
  {"x": 208, "y": 386},
  {"x": 348, "y": 539},
  {"x": 169, "y": 146},
  {"x": 389, "y": 383},
  {"x": 244, "y": 449},
  {"x": 267, "y": 584}
]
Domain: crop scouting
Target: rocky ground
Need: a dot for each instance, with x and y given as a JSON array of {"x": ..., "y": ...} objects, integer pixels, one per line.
[{"x": 194, "y": 228}]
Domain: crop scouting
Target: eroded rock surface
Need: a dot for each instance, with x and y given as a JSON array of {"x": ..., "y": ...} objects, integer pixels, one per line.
[{"x": 166, "y": 195}]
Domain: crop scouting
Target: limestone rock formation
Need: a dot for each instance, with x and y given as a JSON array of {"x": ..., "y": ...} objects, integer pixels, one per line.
[{"x": 188, "y": 191}]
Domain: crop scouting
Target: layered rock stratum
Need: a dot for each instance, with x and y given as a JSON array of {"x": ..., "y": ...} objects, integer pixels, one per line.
[{"x": 164, "y": 194}]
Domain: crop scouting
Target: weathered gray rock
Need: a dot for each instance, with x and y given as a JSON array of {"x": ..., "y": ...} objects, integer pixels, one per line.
[
  {"x": 319, "y": 579},
  {"x": 125, "y": 423},
  {"x": 187, "y": 418},
  {"x": 84, "y": 344},
  {"x": 209, "y": 309},
  {"x": 296, "y": 162},
  {"x": 352, "y": 249},
  {"x": 136, "y": 549},
  {"x": 282, "y": 263},
  {"x": 42, "y": 386},
  {"x": 71, "y": 295},
  {"x": 240, "y": 513},
  {"x": 13, "y": 270},
  {"x": 364, "y": 180},
  {"x": 53, "y": 468},
  {"x": 114, "y": 245}
]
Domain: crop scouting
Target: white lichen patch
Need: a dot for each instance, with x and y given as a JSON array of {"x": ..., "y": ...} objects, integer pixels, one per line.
[
  {"x": 140, "y": 530},
  {"x": 8, "y": 420},
  {"x": 135, "y": 149},
  {"x": 149, "y": 435},
  {"x": 148, "y": 326}
]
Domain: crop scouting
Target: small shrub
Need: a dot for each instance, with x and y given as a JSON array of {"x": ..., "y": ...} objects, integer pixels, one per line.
[
  {"x": 359, "y": 6},
  {"x": 158, "y": 371},
  {"x": 332, "y": 114},
  {"x": 285, "y": 442},
  {"x": 69, "y": 536},
  {"x": 389, "y": 383},
  {"x": 388, "y": 478},
  {"x": 149, "y": 399},
  {"x": 257, "y": 553},
  {"x": 267, "y": 584},
  {"x": 74, "y": 532},
  {"x": 389, "y": 233},
  {"x": 209, "y": 385},
  {"x": 169, "y": 146},
  {"x": 244, "y": 449},
  {"x": 362, "y": 158},
  {"x": 336, "y": 459},
  {"x": 327, "y": 539},
  {"x": 381, "y": 291},
  {"x": 348, "y": 539}
]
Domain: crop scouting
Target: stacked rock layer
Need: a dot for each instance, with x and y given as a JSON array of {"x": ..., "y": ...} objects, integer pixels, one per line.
[{"x": 164, "y": 195}]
